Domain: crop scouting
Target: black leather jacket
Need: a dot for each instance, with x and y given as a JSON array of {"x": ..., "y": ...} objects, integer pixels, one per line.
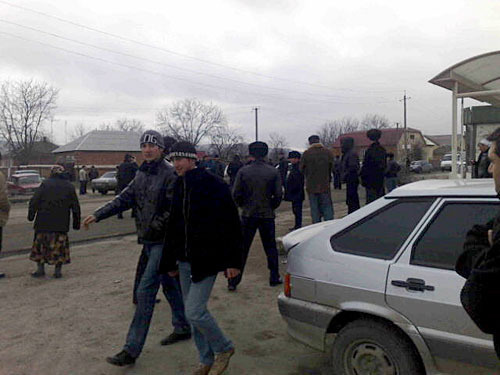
[{"x": 150, "y": 192}]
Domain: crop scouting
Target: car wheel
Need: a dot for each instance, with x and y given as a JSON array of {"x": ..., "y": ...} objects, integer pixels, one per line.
[
  {"x": 367, "y": 347},
  {"x": 103, "y": 192}
]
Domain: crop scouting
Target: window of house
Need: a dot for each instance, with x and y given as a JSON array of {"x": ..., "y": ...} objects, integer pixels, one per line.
[
  {"x": 442, "y": 241},
  {"x": 381, "y": 234},
  {"x": 412, "y": 136}
]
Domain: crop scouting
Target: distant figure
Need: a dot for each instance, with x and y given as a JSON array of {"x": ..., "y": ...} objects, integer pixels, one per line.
[
  {"x": 482, "y": 163},
  {"x": 4, "y": 208},
  {"x": 374, "y": 163},
  {"x": 391, "y": 173},
  {"x": 317, "y": 166},
  {"x": 50, "y": 207},
  {"x": 217, "y": 167},
  {"x": 83, "y": 179},
  {"x": 93, "y": 174},
  {"x": 337, "y": 173},
  {"x": 283, "y": 168},
  {"x": 233, "y": 168},
  {"x": 350, "y": 172},
  {"x": 294, "y": 188},
  {"x": 125, "y": 174}
]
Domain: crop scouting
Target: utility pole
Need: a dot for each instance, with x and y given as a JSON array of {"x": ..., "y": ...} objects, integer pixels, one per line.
[
  {"x": 256, "y": 109},
  {"x": 405, "y": 136}
]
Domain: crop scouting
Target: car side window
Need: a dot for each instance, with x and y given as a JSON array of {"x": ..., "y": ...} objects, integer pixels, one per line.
[
  {"x": 381, "y": 234},
  {"x": 442, "y": 241}
]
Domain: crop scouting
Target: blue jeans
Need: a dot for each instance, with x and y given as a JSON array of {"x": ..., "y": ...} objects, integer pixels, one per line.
[
  {"x": 146, "y": 295},
  {"x": 208, "y": 337},
  {"x": 321, "y": 206},
  {"x": 391, "y": 183}
]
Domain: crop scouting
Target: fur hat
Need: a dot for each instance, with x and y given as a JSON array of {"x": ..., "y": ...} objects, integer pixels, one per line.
[
  {"x": 152, "y": 137},
  {"x": 258, "y": 149},
  {"x": 183, "y": 150}
]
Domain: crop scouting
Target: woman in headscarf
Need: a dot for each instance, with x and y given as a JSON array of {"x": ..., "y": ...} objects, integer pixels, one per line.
[{"x": 51, "y": 205}]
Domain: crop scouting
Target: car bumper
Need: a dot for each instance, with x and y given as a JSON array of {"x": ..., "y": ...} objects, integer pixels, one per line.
[{"x": 307, "y": 321}]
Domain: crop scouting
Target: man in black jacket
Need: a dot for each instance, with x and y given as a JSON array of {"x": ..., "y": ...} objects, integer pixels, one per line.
[
  {"x": 150, "y": 192},
  {"x": 258, "y": 191},
  {"x": 373, "y": 169},
  {"x": 125, "y": 174},
  {"x": 294, "y": 188},
  {"x": 203, "y": 238},
  {"x": 350, "y": 173}
]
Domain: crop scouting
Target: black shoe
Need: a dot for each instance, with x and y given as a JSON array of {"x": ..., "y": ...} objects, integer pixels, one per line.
[
  {"x": 231, "y": 288},
  {"x": 121, "y": 359},
  {"x": 2, "y": 275},
  {"x": 38, "y": 274},
  {"x": 175, "y": 337},
  {"x": 275, "y": 282}
]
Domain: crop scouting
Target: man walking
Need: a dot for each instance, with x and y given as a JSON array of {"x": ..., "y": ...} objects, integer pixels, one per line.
[
  {"x": 125, "y": 174},
  {"x": 258, "y": 191},
  {"x": 294, "y": 188},
  {"x": 203, "y": 238},
  {"x": 83, "y": 178},
  {"x": 317, "y": 166},
  {"x": 4, "y": 208},
  {"x": 373, "y": 169},
  {"x": 150, "y": 192}
]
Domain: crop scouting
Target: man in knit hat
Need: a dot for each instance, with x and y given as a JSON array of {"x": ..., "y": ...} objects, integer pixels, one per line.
[
  {"x": 258, "y": 192},
  {"x": 203, "y": 238},
  {"x": 150, "y": 192}
]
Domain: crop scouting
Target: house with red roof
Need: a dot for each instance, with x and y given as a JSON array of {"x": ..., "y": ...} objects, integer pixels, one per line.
[{"x": 393, "y": 140}]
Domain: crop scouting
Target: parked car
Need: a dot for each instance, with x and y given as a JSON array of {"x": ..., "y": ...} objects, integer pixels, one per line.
[
  {"x": 379, "y": 284},
  {"x": 23, "y": 183},
  {"x": 420, "y": 166},
  {"x": 105, "y": 183},
  {"x": 446, "y": 162},
  {"x": 25, "y": 171}
]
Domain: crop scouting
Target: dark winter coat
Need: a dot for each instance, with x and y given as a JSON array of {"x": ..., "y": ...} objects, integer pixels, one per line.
[
  {"x": 126, "y": 173},
  {"x": 481, "y": 166},
  {"x": 232, "y": 170},
  {"x": 294, "y": 187},
  {"x": 373, "y": 169},
  {"x": 258, "y": 190},
  {"x": 283, "y": 169},
  {"x": 350, "y": 166},
  {"x": 317, "y": 165},
  {"x": 52, "y": 203},
  {"x": 480, "y": 265},
  {"x": 93, "y": 173},
  {"x": 204, "y": 227},
  {"x": 150, "y": 193},
  {"x": 392, "y": 169}
]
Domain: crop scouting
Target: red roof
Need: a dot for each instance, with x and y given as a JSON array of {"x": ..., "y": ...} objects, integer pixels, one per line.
[{"x": 390, "y": 137}]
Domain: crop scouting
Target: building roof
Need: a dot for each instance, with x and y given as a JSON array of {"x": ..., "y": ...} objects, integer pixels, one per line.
[
  {"x": 449, "y": 188},
  {"x": 390, "y": 137},
  {"x": 103, "y": 140},
  {"x": 441, "y": 140}
]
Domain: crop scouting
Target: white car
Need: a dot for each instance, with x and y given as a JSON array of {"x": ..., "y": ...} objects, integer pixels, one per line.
[{"x": 446, "y": 162}]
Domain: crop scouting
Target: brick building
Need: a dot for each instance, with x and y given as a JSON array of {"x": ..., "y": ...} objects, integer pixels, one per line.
[{"x": 102, "y": 148}]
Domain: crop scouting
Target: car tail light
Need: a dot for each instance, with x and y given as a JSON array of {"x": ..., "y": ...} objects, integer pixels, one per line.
[{"x": 288, "y": 286}]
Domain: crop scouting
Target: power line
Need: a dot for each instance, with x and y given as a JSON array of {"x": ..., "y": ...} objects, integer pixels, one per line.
[{"x": 60, "y": 19}]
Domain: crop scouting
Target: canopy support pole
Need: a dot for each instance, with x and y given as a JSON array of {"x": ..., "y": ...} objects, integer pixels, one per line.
[{"x": 454, "y": 131}]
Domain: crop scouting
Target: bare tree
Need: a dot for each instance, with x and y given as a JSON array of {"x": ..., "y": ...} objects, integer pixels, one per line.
[
  {"x": 129, "y": 125},
  {"x": 331, "y": 130},
  {"x": 374, "y": 121},
  {"x": 190, "y": 120},
  {"x": 225, "y": 141},
  {"x": 106, "y": 126},
  {"x": 277, "y": 144},
  {"x": 79, "y": 131},
  {"x": 24, "y": 107}
]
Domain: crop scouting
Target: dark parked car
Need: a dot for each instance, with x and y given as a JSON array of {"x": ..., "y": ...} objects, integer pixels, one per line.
[
  {"x": 105, "y": 183},
  {"x": 23, "y": 183},
  {"x": 420, "y": 166}
]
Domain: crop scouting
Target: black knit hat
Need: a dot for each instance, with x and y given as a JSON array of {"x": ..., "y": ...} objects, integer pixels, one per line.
[
  {"x": 294, "y": 155},
  {"x": 153, "y": 137},
  {"x": 258, "y": 149},
  {"x": 183, "y": 150}
]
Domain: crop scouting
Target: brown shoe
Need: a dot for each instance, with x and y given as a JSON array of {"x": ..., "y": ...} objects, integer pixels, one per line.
[
  {"x": 221, "y": 362},
  {"x": 202, "y": 369}
]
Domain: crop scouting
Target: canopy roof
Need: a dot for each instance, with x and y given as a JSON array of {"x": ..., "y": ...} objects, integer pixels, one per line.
[{"x": 479, "y": 73}]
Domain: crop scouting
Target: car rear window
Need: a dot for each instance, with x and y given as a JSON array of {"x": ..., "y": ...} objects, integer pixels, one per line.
[{"x": 381, "y": 234}]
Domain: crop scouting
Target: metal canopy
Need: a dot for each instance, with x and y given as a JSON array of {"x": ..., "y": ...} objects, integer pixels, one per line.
[{"x": 478, "y": 78}]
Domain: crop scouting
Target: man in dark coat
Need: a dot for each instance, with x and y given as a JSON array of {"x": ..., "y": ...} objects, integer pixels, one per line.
[
  {"x": 93, "y": 174},
  {"x": 350, "y": 173},
  {"x": 233, "y": 168},
  {"x": 151, "y": 193},
  {"x": 483, "y": 162},
  {"x": 125, "y": 174},
  {"x": 373, "y": 169},
  {"x": 337, "y": 173},
  {"x": 258, "y": 192},
  {"x": 480, "y": 262},
  {"x": 294, "y": 188},
  {"x": 202, "y": 239},
  {"x": 283, "y": 168}
]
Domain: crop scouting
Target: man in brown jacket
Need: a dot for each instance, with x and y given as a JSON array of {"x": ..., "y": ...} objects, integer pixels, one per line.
[
  {"x": 316, "y": 165},
  {"x": 4, "y": 208}
]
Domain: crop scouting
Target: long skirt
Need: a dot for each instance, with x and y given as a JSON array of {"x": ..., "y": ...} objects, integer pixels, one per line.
[{"x": 51, "y": 248}]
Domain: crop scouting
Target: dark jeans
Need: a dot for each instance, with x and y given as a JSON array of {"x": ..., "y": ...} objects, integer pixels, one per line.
[
  {"x": 83, "y": 187},
  {"x": 146, "y": 296},
  {"x": 352, "y": 197},
  {"x": 337, "y": 183},
  {"x": 297, "y": 211},
  {"x": 321, "y": 206},
  {"x": 139, "y": 271},
  {"x": 267, "y": 233},
  {"x": 374, "y": 193}
]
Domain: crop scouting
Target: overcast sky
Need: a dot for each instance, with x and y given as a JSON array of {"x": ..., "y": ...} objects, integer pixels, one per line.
[{"x": 301, "y": 62}]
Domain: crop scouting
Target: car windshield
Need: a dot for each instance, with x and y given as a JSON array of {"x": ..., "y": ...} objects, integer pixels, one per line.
[
  {"x": 109, "y": 174},
  {"x": 28, "y": 180},
  {"x": 446, "y": 157}
]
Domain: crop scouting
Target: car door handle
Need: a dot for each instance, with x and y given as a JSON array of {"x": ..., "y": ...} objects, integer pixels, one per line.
[{"x": 413, "y": 284}]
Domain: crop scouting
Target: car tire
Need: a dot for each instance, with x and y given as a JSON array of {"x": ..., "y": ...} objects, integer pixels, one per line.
[{"x": 367, "y": 347}]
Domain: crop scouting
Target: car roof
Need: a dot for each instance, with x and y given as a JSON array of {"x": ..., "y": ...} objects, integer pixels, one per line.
[
  {"x": 446, "y": 188},
  {"x": 27, "y": 175}
]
